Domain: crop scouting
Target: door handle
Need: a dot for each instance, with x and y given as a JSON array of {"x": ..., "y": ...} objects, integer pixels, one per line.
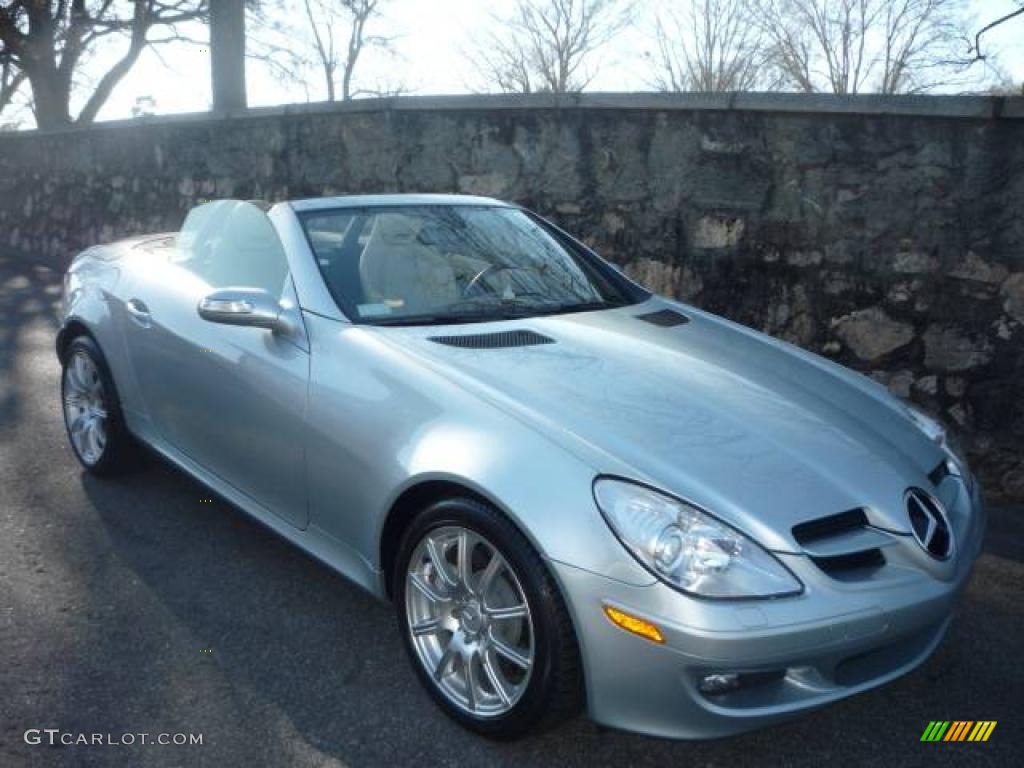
[{"x": 139, "y": 312}]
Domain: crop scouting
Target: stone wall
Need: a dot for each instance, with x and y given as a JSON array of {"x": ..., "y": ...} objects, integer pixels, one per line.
[{"x": 885, "y": 233}]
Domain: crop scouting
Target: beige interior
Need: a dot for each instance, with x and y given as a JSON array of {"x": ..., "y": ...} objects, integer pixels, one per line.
[{"x": 398, "y": 269}]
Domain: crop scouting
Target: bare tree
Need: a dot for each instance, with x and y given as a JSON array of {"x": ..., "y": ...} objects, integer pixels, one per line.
[
  {"x": 924, "y": 44},
  {"x": 853, "y": 46},
  {"x": 329, "y": 36},
  {"x": 548, "y": 45},
  {"x": 820, "y": 44},
  {"x": 323, "y": 23},
  {"x": 708, "y": 46},
  {"x": 48, "y": 40}
]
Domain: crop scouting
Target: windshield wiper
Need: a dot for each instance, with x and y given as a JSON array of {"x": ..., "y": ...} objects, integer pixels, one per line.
[
  {"x": 476, "y": 311},
  {"x": 447, "y": 318},
  {"x": 486, "y": 311},
  {"x": 579, "y": 306}
]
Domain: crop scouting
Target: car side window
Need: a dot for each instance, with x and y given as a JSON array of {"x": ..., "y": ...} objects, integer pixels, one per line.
[{"x": 233, "y": 244}]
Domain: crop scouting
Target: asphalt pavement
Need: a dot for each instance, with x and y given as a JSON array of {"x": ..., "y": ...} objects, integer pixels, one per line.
[{"x": 147, "y": 605}]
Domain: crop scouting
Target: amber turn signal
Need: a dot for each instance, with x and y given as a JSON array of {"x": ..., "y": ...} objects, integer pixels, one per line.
[{"x": 633, "y": 624}]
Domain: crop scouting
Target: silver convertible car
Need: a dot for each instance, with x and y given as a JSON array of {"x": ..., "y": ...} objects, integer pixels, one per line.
[{"x": 575, "y": 493}]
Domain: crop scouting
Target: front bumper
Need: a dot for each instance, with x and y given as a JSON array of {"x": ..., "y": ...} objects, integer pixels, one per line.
[{"x": 795, "y": 654}]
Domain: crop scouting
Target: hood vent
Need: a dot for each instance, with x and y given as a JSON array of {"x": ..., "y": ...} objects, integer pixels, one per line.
[
  {"x": 829, "y": 527},
  {"x": 845, "y": 546},
  {"x": 499, "y": 340},
  {"x": 666, "y": 318}
]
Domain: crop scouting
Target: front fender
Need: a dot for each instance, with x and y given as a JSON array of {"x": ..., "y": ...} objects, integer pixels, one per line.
[
  {"x": 380, "y": 423},
  {"x": 543, "y": 489},
  {"x": 91, "y": 303}
]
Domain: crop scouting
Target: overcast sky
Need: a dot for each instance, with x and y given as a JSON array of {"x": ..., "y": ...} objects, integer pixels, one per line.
[{"x": 432, "y": 38}]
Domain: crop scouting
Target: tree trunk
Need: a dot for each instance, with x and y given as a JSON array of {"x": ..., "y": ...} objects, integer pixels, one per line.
[
  {"x": 50, "y": 95},
  {"x": 227, "y": 44},
  {"x": 329, "y": 77},
  {"x": 346, "y": 83}
]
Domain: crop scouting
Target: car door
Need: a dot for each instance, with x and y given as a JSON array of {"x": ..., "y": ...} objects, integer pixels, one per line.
[{"x": 230, "y": 398}]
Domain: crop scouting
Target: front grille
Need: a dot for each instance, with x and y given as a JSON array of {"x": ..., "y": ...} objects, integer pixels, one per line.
[{"x": 498, "y": 340}]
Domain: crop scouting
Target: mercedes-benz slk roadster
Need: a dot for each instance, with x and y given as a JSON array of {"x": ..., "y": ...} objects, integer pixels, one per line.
[{"x": 575, "y": 493}]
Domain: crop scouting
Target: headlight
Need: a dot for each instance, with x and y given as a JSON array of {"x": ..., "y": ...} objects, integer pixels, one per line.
[
  {"x": 956, "y": 461},
  {"x": 687, "y": 548}
]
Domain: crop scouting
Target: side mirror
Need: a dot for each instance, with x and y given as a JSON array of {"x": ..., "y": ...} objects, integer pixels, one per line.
[{"x": 252, "y": 307}]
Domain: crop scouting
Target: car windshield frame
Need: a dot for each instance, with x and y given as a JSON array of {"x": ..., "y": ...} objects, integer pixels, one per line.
[{"x": 613, "y": 287}]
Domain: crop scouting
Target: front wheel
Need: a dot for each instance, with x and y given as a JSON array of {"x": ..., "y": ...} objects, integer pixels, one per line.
[
  {"x": 92, "y": 413},
  {"x": 484, "y": 623}
]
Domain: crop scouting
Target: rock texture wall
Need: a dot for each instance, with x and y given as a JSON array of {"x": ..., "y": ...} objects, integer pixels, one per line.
[{"x": 887, "y": 234}]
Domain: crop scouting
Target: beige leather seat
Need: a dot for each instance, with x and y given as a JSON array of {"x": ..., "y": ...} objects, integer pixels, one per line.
[{"x": 397, "y": 269}]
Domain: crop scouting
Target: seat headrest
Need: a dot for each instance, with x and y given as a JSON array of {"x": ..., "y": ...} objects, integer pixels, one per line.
[{"x": 397, "y": 228}]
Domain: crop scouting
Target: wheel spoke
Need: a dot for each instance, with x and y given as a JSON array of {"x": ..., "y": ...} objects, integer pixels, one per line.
[
  {"x": 510, "y": 653},
  {"x": 464, "y": 558},
  {"x": 70, "y": 382},
  {"x": 74, "y": 378},
  {"x": 490, "y": 669},
  {"x": 511, "y": 612},
  {"x": 90, "y": 438},
  {"x": 428, "y": 591},
  {"x": 77, "y": 431},
  {"x": 440, "y": 564},
  {"x": 444, "y": 663},
  {"x": 78, "y": 424},
  {"x": 426, "y": 627},
  {"x": 471, "y": 681},
  {"x": 487, "y": 577},
  {"x": 81, "y": 373}
]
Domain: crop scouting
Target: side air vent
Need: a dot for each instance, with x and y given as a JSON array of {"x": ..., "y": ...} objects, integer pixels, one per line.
[
  {"x": 666, "y": 318},
  {"x": 845, "y": 545},
  {"x": 499, "y": 340}
]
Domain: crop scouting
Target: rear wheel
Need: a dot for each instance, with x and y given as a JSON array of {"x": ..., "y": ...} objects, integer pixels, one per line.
[
  {"x": 484, "y": 622},
  {"x": 92, "y": 413}
]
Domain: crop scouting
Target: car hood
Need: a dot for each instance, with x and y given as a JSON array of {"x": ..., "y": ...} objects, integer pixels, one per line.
[{"x": 758, "y": 432}]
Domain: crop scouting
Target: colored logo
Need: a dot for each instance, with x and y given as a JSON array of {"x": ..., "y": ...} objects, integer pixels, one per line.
[{"x": 958, "y": 730}]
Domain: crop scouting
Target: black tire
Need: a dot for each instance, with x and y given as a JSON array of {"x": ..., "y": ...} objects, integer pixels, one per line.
[
  {"x": 121, "y": 452},
  {"x": 554, "y": 691}
]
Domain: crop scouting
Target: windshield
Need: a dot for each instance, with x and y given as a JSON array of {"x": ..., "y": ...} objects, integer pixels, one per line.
[{"x": 437, "y": 264}]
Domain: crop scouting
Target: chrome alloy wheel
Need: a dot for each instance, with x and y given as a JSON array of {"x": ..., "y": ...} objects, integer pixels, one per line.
[
  {"x": 85, "y": 411},
  {"x": 469, "y": 621}
]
